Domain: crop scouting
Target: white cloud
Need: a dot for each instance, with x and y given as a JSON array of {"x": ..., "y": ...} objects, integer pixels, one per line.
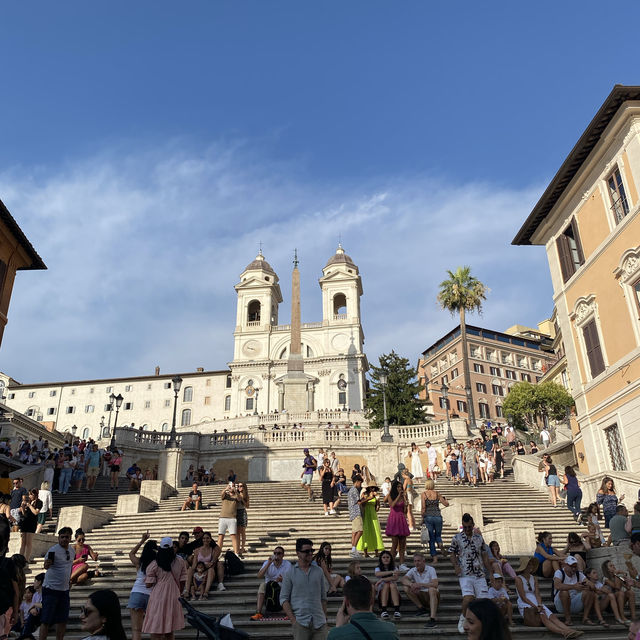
[{"x": 144, "y": 248}]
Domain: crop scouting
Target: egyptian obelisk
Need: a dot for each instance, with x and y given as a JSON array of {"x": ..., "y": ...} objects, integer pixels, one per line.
[{"x": 294, "y": 396}]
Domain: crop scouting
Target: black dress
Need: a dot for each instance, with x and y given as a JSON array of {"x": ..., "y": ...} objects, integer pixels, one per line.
[
  {"x": 30, "y": 520},
  {"x": 327, "y": 489}
]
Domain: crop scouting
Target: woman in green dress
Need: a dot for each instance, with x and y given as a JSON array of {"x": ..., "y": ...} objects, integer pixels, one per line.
[{"x": 371, "y": 539}]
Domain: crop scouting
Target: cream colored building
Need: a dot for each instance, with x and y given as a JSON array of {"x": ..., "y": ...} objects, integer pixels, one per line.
[
  {"x": 334, "y": 362},
  {"x": 587, "y": 219}
]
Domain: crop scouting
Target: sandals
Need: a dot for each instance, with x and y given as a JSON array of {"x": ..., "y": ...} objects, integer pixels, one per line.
[
  {"x": 590, "y": 622},
  {"x": 604, "y": 624},
  {"x": 204, "y": 596}
]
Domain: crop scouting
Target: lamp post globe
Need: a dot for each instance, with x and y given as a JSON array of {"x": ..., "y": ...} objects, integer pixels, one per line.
[{"x": 172, "y": 442}]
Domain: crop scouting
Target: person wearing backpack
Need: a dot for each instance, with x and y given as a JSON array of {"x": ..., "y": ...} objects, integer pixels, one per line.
[
  {"x": 572, "y": 593},
  {"x": 273, "y": 571}
]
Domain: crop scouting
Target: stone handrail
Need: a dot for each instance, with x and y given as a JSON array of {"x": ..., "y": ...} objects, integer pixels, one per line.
[{"x": 14, "y": 424}]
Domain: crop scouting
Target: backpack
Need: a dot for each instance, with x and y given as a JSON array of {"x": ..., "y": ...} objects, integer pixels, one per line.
[
  {"x": 272, "y": 596},
  {"x": 232, "y": 564},
  {"x": 553, "y": 588}
]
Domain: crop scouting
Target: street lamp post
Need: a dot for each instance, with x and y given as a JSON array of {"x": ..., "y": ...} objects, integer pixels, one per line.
[
  {"x": 386, "y": 436},
  {"x": 172, "y": 442},
  {"x": 118, "y": 400},
  {"x": 112, "y": 402},
  {"x": 255, "y": 404},
  {"x": 445, "y": 394},
  {"x": 102, "y": 427}
]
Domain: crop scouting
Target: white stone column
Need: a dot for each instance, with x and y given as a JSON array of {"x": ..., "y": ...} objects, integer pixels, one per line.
[{"x": 170, "y": 467}]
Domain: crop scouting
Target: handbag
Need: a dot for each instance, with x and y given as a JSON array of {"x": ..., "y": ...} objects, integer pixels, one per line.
[{"x": 424, "y": 535}]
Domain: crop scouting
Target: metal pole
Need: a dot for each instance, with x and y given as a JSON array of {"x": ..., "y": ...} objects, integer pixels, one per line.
[
  {"x": 113, "y": 437},
  {"x": 172, "y": 442},
  {"x": 386, "y": 436}
]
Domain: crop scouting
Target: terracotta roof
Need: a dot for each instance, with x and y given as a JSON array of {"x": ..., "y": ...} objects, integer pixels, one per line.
[
  {"x": 575, "y": 160},
  {"x": 340, "y": 257},
  {"x": 12, "y": 225}
]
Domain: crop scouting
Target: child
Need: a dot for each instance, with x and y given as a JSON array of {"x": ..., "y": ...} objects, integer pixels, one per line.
[
  {"x": 592, "y": 516},
  {"x": 604, "y": 599},
  {"x": 499, "y": 594},
  {"x": 490, "y": 471},
  {"x": 453, "y": 465},
  {"x": 386, "y": 487},
  {"x": 199, "y": 581},
  {"x": 353, "y": 570}
]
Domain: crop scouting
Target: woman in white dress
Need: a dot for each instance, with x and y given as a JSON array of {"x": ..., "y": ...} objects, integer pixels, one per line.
[{"x": 416, "y": 465}]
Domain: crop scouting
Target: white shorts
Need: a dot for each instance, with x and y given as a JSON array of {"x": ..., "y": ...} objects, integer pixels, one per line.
[
  {"x": 575, "y": 605},
  {"x": 306, "y": 478},
  {"x": 229, "y": 525},
  {"x": 472, "y": 586}
]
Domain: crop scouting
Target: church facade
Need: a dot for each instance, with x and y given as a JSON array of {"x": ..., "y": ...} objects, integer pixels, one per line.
[{"x": 333, "y": 361}]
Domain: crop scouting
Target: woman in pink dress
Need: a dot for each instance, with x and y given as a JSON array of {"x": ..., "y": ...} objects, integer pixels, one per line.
[
  {"x": 397, "y": 527},
  {"x": 166, "y": 575}
]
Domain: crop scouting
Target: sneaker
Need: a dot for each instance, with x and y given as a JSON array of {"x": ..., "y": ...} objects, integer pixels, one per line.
[
  {"x": 221, "y": 587},
  {"x": 461, "y": 624},
  {"x": 326, "y": 513},
  {"x": 403, "y": 567},
  {"x": 384, "y": 615},
  {"x": 397, "y": 615},
  {"x": 256, "y": 616},
  {"x": 355, "y": 554},
  {"x": 421, "y": 612},
  {"x": 431, "y": 624},
  {"x": 332, "y": 512}
]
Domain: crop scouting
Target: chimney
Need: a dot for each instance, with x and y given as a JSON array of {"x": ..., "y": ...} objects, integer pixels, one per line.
[
  {"x": 157, "y": 371},
  {"x": 200, "y": 369}
]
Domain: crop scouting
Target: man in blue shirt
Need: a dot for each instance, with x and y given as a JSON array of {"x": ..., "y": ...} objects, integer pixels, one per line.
[
  {"x": 355, "y": 617},
  {"x": 92, "y": 466}
]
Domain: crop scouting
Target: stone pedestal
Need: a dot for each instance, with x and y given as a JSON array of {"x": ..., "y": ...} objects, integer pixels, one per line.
[
  {"x": 134, "y": 503},
  {"x": 452, "y": 515},
  {"x": 170, "y": 467},
  {"x": 156, "y": 490},
  {"x": 295, "y": 394},
  {"x": 515, "y": 537},
  {"x": 41, "y": 544},
  {"x": 85, "y": 518},
  {"x": 621, "y": 556}
]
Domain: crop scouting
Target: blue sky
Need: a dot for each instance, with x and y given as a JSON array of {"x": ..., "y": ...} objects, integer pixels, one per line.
[{"x": 148, "y": 147}]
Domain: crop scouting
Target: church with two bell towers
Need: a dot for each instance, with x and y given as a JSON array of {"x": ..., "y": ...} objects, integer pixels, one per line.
[{"x": 325, "y": 371}]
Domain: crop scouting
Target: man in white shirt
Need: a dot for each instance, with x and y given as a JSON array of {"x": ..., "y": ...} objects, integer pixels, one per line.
[
  {"x": 545, "y": 436},
  {"x": 432, "y": 456},
  {"x": 572, "y": 592},
  {"x": 55, "y": 588},
  {"x": 273, "y": 569},
  {"x": 421, "y": 586}
]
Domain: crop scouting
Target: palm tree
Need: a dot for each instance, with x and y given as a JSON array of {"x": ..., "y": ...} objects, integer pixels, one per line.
[{"x": 460, "y": 293}]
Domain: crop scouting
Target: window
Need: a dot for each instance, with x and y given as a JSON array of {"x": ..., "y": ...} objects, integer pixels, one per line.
[
  {"x": 165, "y": 426},
  {"x": 73, "y": 392},
  {"x": 445, "y": 379},
  {"x": 616, "y": 451},
  {"x": 495, "y": 371},
  {"x": 481, "y": 387},
  {"x": 342, "y": 398},
  {"x": 91, "y": 389},
  {"x": 167, "y": 385},
  {"x": 536, "y": 364},
  {"x": 30, "y": 412},
  {"x": 51, "y": 411},
  {"x": 248, "y": 404},
  {"x": 128, "y": 387},
  {"x": 453, "y": 357},
  {"x": 207, "y": 399},
  {"x": 525, "y": 377},
  {"x": 12, "y": 396},
  {"x": 53, "y": 393},
  {"x": 227, "y": 403},
  {"x": 253, "y": 311},
  {"x": 187, "y": 395},
  {"x": 569, "y": 251},
  {"x": 167, "y": 403},
  {"x": 474, "y": 351},
  {"x": 70, "y": 410},
  {"x": 228, "y": 383},
  {"x": 32, "y": 394},
  {"x": 85, "y": 433},
  {"x": 148, "y": 386},
  {"x": 505, "y": 358},
  {"x": 592, "y": 347},
  {"x": 208, "y": 382},
  {"x": 484, "y": 409},
  {"x": 538, "y": 378},
  {"x": 444, "y": 404},
  {"x": 108, "y": 407},
  {"x": 497, "y": 390},
  {"x": 522, "y": 362},
  {"x": 499, "y": 411},
  {"x": 491, "y": 355},
  {"x": 128, "y": 406},
  {"x": 454, "y": 374},
  {"x": 478, "y": 368},
  {"x": 89, "y": 408},
  {"x": 147, "y": 404},
  {"x": 462, "y": 406},
  {"x": 510, "y": 374},
  {"x": 109, "y": 389},
  {"x": 186, "y": 417},
  {"x": 617, "y": 195}
]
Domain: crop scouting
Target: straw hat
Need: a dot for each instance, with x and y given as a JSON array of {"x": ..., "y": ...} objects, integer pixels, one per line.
[{"x": 525, "y": 560}]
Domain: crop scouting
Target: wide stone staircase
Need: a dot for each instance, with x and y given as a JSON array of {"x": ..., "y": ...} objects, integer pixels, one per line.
[{"x": 279, "y": 513}]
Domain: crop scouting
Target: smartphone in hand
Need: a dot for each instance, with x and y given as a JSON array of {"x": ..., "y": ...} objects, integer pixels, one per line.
[{"x": 51, "y": 556}]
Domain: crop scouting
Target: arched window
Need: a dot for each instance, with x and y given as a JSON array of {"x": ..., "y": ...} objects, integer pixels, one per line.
[
  {"x": 253, "y": 311},
  {"x": 85, "y": 433},
  {"x": 186, "y": 417},
  {"x": 227, "y": 403},
  {"x": 340, "y": 304},
  {"x": 188, "y": 394},
  {"x": 165, "y": 426}
]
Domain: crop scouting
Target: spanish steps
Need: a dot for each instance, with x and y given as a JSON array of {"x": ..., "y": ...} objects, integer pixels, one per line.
[{"x": 279, "y": 513}]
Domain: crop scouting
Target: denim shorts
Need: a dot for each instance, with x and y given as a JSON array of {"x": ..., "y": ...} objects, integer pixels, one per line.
[
  {"x": 553, "y": 481},
  {"x": 138, "y": 600}
]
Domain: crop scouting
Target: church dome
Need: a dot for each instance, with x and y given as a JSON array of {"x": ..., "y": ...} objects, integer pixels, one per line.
[
  {"x": 260, "y": 264},
  {"x": 340, "y": 257}
]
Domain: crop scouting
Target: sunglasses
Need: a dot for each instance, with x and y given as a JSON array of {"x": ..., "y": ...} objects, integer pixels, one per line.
[
  {"x": 84, "y": 611},
  {"x": 306, "y": 551},
  {"x": 278, "y": 553}
]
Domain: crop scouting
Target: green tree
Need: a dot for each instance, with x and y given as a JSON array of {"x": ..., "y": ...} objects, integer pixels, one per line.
[
  {"x": 460, "y": 293},
  {"x": 402, "y": 393},
  {"x": 526, "y": 404}
]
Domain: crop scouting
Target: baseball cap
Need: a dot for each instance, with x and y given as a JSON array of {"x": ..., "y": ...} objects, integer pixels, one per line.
[
  {"x": 166, "y": 542},
  {"x": 197, "y": 530},
  {"x": 570, "y": 560},
  {"x": 497, "y": 575}
]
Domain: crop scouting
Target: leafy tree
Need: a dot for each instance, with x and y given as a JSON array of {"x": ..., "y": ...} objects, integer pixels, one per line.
[
  {"x": 402, "y": 393},
  {"x": 460, "y": 293},
  {"x": 526, "y": 404}
]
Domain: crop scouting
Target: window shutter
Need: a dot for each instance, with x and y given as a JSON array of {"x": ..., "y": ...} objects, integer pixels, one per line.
[
  {"x": 576, "y": 237},
  {"x": 594, "y": 351},
  {"x": 564, "y": 255}
]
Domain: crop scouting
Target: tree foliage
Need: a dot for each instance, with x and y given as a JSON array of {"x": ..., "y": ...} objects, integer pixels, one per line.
[
  {"x": 527, "y": 404},
  {"x": 462, "y": 292},
  {"x": 402, "y": 393}
]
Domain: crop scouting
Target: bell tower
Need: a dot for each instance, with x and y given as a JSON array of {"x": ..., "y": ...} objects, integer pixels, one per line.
[{"x": 341, "y": 290}]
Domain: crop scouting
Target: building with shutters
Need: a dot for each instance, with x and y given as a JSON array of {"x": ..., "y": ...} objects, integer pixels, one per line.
[{"x": 587, "y": 220}]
